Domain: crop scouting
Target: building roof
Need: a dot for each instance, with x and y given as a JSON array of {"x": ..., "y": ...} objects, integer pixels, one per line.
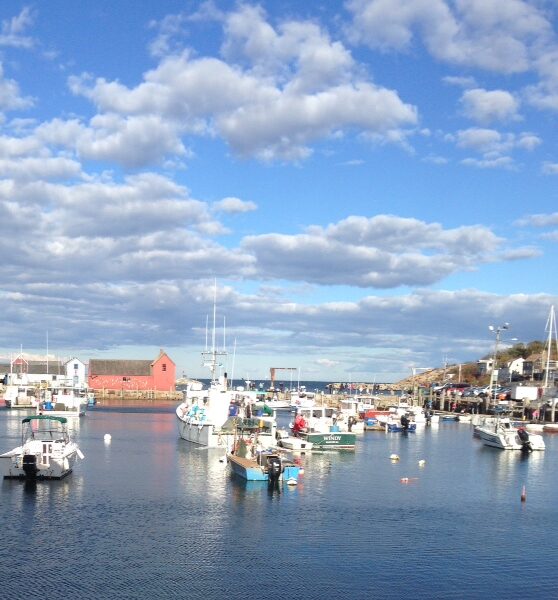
[
  {"x": 119, "y": 367},
  {"x": 37, "y": 367}
]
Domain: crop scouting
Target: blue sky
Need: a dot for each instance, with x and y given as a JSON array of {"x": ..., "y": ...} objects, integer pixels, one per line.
[{"x": 372, "y": 183}]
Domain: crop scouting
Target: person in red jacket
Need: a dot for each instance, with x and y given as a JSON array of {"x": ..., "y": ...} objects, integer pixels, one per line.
[{"x": 300, "y": 425}]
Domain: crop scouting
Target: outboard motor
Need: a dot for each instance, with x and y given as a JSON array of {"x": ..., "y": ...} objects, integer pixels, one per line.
[
  {"x": 274, "y": 469},
  {"x": 524, "y": 439},
  {"x": 29, "y": 466},
  {"x": 405, "y": 422}
]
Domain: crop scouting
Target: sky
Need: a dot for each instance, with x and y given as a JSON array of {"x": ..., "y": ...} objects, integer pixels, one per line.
[{"x": 364, "y": 186}]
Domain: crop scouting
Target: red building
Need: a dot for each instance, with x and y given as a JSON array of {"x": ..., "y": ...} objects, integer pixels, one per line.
[{"x": 133, "y": 375}]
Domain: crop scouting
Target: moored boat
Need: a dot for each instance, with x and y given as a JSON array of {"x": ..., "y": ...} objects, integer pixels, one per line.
[
  {"x": 46, "y": 451},
  {"x": 293, "y": 443},
  {"x": 320, "y": 426},
  {"x": 61, "y": 402},
  {"x": 251, "y": 461},
  {"x": 503, "y": 435}
]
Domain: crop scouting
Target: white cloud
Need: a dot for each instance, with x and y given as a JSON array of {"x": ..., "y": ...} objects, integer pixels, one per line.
[
  {"x": 288, "y": 88},
  {"x": 487, "y": 106},
  {"x": 496, "y": 35},
  {"x": 460, "y": 81},
  {"x": 233, "y": 205},
  {"x": 495, "y": 147},
  {"x": 383, "y": 252},
  {"x": 11, "y": 31},
  {"x": 10, "y": 98},
  {"x": 550, "y": 168}
]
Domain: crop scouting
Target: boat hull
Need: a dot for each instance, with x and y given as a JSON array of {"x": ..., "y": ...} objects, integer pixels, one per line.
[
  {"x": 335, "y": 440},
  {"x": 508, "y": 440},
  {"x": 52, "y": 467},
  {"x": 210, "y": 436},
  {"x": 296, "y": 444},
  {"x": 251, "y": 470}
]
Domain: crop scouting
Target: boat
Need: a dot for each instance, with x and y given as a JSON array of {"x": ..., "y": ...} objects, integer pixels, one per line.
[
  {"x": 46, "y": 451},
  {"x": 403, "y": 426},
  {"x": 204, "y": 416},
  {"x": 275, "y": 403},
  {"x": 502, "y": 434},
  {"x": 253, "y": 462},
  {"x": 320, "y": 426},
  {"x": 20, "y": 396},
  {"x": 61, "y": 402},
  {"x": 292, "y": 443},
  {"x": 300, "y": 398}
]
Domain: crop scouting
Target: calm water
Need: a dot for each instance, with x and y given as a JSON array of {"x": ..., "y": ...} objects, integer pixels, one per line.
[{"x": 150, "y": 516}]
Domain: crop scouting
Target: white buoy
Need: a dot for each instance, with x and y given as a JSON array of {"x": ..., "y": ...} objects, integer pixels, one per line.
[
  {"x": 422, "y": 462},
  {"x": 292, "y": 481},
  {"x": 107, "y": 438},
  {"x": 394, "y": 457}
]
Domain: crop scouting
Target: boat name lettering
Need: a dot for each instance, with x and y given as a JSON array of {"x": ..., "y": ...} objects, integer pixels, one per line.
[{"x": 332, "y": 438}]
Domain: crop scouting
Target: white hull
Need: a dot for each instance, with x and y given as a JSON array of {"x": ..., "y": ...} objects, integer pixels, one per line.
[
  {"x": 295, "y": 444},
  {"x": 507, "y": 439},
  {"x": 55, "y": 464},
  {"x": 211, "y": 436},
  {"x": 277, "y": 404}
]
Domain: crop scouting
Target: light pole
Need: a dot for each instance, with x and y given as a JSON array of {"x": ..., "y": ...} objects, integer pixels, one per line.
[{"x": 497, "y": 331}]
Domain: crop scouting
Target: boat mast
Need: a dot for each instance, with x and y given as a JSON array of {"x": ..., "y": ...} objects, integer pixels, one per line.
[
  {"x": 551, "y": 327},
  {"x": 210, "y": 356}
]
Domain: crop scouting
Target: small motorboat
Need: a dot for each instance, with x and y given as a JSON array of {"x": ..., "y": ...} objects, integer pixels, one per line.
[
  {"x": 292, "y": 442},
  {"x": 46, "y": 451},
  {"x": 502, "y": 434}
]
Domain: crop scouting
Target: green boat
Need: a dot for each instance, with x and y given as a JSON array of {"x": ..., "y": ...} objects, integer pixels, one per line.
[
  {"x": 320, "y": 425},
  {"x": 333, "y": 440}
]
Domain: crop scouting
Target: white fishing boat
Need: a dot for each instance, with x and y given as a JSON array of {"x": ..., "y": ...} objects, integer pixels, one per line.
[
  {"x": 502, "y": 434},
  {"x": 208, "y": 416},
  {"x": 20, "y": 396},
  {"x": 62, "y": 402},
  {"x": 276, "y": 403},
  {"x": 323, "y": 427},
  {"x": 46, "y": 451},
  {"x": 300, "y": 398}
]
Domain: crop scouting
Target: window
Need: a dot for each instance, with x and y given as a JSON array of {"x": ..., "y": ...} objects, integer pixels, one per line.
[
  {"x": 125, "y": 379},
  {"x": 164, "y": 366},
  {"x": 76, "y": 366}
]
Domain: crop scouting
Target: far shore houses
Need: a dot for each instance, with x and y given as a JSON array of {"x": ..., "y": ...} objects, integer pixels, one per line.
[
  {"x": 122, "y": 375},
  {"x": 133, "y": 375}
]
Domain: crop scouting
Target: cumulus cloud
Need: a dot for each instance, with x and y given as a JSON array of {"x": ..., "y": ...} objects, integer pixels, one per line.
[
  {"x": 487, "y": 106},
  {"x": 496, "y": 35},
  {"x": 495, "y": 147},
  {"x": 273, "y": 93},
  {"x": 233, "y": 205},
  {"x": 10, "y": 97},
  {"x": 382, "y": 252}
]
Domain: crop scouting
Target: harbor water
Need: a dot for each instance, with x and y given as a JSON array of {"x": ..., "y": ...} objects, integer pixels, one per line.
[{"x": 148, "y": 515}]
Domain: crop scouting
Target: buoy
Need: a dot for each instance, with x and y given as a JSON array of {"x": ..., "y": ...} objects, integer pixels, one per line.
[
  {"x": 523, "y": 494},
  {"x": 394, "y": 457},
  {"x": 422, "y": 462},
  {"x": 404, "y": 480},
  {"x": 107, "y": 438},
  {"x": 291, "y": 481}
]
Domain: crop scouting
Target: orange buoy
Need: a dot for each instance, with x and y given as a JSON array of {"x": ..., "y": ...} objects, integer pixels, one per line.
[{"x": 523, "y": 494}]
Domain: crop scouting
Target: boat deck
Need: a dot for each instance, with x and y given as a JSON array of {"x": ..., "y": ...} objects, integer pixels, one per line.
[{"x": 247, "y": 463}]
